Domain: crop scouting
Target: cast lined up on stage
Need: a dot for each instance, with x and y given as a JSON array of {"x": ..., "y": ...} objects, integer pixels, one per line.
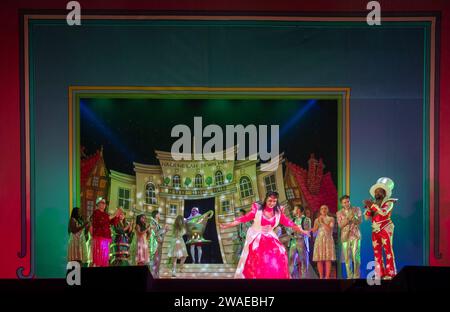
[
  {"x": 259, "y": 251},
  {"x": 380, "y": 213},
  {"x": 77, "y": 249},
  {"x": 122, "y": 234},
  {"x": 142, "y": 235},
  {"x": 264, "y": 256}
]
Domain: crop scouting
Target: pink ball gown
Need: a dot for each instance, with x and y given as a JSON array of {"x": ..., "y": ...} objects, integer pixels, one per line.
[{"x": 263, "y": 256}]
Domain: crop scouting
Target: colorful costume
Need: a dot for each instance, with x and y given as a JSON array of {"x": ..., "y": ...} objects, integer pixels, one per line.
[
  {"x": 349, "y": 221},
  {"x": 101, "y": 237},
  {"x": 121, "y": 245},
  {"x": 324, "y": 244},
  {"x": 299, "y": 244},
  {"x": 155, "y": 245},
  {"x": 383, "y": 229},
  {"x": 263, "y": 256},
  {"x": 76, "y": 250}
]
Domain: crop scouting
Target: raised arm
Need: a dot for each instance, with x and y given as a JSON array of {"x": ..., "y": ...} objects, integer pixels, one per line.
[
  {"x": 289, "y": 223},
  {"x": 330, "y": 225},
  {"x": 316, "y": 225},
  {"x": 96, "y": 219},
  {"x": 128, "y": 227}
]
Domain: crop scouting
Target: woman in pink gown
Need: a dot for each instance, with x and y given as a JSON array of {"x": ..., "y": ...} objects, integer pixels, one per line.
[{"x": 264, "y": 256}]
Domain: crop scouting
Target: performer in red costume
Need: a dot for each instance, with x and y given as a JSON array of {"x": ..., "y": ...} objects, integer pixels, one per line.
[
  {"x": 101, "y": 234},
  {"x": 264, "y": 256},
  {"x": 382, "y": 226}
]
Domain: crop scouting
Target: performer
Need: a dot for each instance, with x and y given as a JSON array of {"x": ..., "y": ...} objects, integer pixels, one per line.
[
  {"x": 242, "y": 233},
  {"x": 101, "y": 233},
  {"x": 264, "y": 256},
  {"x": 142, "y": 233},
  {"x": 195, "y": 213},
  {"x": 324, "y": 251},
  {"x": 299, "y": 244},
  {"x": 349, "y": 218},
  {"x": 76, "y": 250},
  {"x": 156, "y": 242},
  {"x": 121, "y": 247},
  {"x": 382, "y": 226},
  {"x": 177, "y": 247}
]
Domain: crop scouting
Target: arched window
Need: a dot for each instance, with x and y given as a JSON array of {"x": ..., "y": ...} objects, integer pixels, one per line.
[
  {"x": 219, "y": 177},
  {"x": 176, "y": 181},
  {"x": 198, "y": 182},
  {"x": 246, "y": 187},
  {"x": 150, "y": 194}
]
